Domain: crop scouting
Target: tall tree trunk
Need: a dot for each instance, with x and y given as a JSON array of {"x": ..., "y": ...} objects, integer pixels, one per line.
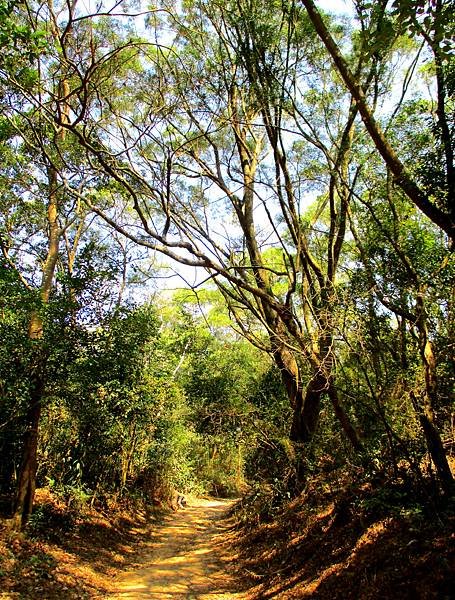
[
  {"x": 306, "y": 411},
  {"x": 343, "y": 418},
  {"x": 27, "y": 474},
  {"x": 305, "y": 403},
  {"x": 127, "y": 456},
  {"x": 424, "y": 409},
  {"x": 434, "y": 442},
  {"x": 417, "y": 195}
]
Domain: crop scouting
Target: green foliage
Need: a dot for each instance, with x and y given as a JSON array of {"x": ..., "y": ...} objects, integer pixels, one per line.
[
  {"x": 108, "y": 396},
  {"x": 47, "y": 521},
  {"x": 15, "y": 351},
  {"x": 263, "y": 502},
  {"x": 170, "y": 453},
  {"x": 419, "y": 135},
  {"x": 431, "y": 19},
  {"x": 20, "y": 44},
  {"x": 392, "y": 500},
  {"x": 158, "y": 396},
  {"x": 40, "y": 563}
]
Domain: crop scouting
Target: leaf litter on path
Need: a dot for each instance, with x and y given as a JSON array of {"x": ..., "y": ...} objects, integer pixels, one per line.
[{"x": 185, "y": 559}]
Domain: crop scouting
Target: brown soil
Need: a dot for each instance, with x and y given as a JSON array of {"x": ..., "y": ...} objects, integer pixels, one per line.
[
  {"x": 128, "y": 554},
  {"x": 186, "y": 559},
  {"x": 346, "y": 545},
  {"x": 330, "y": 543}
]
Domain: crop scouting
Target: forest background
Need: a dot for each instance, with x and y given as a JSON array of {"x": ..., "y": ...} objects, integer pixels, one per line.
[{"x": 303, "y": 163}]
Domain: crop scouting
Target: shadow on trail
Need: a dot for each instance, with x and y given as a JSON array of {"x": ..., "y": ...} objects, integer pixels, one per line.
[{"x": 186, "y": 559}]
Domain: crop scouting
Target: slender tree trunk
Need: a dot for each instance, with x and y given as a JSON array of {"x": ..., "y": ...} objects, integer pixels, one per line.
[
  {"x": 305, "y": 403},
  {"x": 434, "y": 442},
  {"x": 127, "y": 457},
  {"x": 308, "y": 407},
  {"x": 402, "y": 177},
  {"x": 425, "y": 411},
  {"x": 27, "y": 474},
  {"x": 343, "y": 418}
]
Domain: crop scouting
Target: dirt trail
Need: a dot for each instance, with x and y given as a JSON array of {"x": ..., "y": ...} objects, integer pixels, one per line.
[{"x": 186, "y": 559}]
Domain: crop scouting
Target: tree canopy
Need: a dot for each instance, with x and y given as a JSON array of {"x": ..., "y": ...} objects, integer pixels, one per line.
[{"x": 303, "y": 163}]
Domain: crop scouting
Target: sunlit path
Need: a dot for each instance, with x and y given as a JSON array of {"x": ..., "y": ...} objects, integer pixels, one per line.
[{"x": 186, "y": 559}]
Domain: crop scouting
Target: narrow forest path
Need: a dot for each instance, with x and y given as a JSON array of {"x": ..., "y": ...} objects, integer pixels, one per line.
[{"x": 186, "y": 559}]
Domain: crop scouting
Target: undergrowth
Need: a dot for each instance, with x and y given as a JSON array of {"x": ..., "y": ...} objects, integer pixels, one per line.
[{"x": 343, "y": 537}]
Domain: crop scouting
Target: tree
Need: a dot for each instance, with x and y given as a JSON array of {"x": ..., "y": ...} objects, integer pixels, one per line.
[
  {"x": 37, "y": 104},
  {"x": 240, "y": 103},
  {"x": 415, "y": 264},
  {"x": 262, "y": 92},
  {"x": 241, "y": 153},
  {"x": 436, "y": 29}
]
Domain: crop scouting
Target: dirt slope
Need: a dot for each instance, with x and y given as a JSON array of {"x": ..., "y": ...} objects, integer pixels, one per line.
[
  {"x": 340, "y": 543},
  {"x": 123, "y": 554},
  {"x": 185, "y": 559}
]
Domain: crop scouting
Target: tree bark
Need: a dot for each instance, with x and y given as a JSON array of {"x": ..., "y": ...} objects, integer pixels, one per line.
[
  {"x": 306, "y": 411},
  {"x": 425, "y": 412},
  {"x": 434, "y": 443},
  {"x": 443, "y": 220},
  {"x": 27, "y": 474},
  {"x": 308, "y": 407}
]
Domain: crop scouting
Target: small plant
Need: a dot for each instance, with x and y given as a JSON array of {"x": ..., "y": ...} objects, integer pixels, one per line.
[
  {"x": 41, "y": 564},
  {"x": 392, "y": 501},
  {"x": 75, "y": 497},
  {"x": 48, "y": 518}
]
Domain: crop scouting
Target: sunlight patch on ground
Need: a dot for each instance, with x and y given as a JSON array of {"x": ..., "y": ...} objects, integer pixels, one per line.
[{"x": 185, "y": 561}]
